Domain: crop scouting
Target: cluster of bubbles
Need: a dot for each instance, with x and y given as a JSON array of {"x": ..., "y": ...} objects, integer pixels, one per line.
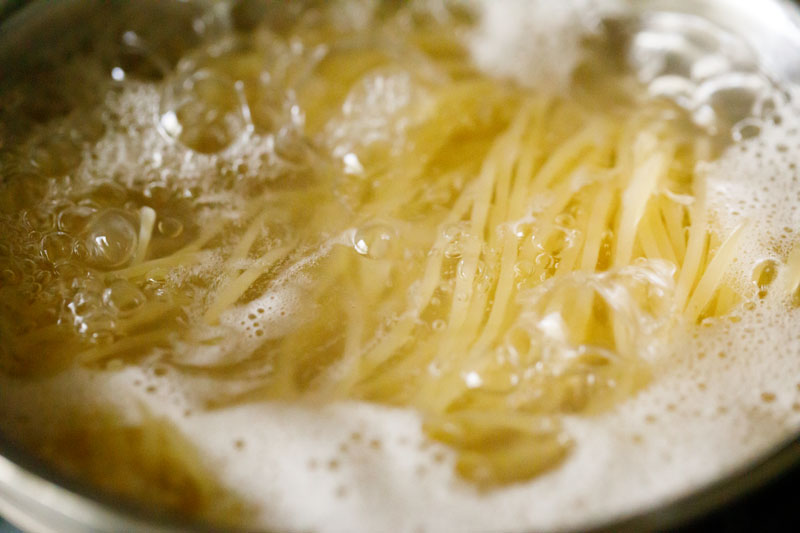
[
  {"x": 552, "y": 361},
  {"x": 374, "y": 240},
  {"x": 60, "y": 216},
  {"x": 678, "y": 54},
  {"x": 79, "y": 162},
  {"x": 62, "y": 250},
  {"x": 183, "y": 108},
  {"x": 710, "y": 72},
  {"x": 235, "y": 87}
]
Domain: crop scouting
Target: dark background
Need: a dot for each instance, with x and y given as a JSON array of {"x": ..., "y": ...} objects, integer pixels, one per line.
[{"x": 774, "y": 508}]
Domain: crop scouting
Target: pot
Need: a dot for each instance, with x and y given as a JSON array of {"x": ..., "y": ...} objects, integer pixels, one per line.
[{"x": 35, "y": 497}]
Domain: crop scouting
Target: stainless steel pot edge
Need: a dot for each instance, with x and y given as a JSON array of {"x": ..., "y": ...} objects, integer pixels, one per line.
[
  {"x": 36, "y": 498},
  {"x": 777, "y": 462}
]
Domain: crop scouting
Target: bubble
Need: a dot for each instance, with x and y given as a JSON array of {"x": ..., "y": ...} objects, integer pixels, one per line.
[
  {"x": 372, "y": 107},
  {"x": 57, "y": 246},
  {"x": 746, "y": 129},
  {"x": 454, "y": 250},
  {"x": 79, "y": 251},
  {"x": 157, "y": 275},
  {"x": 43, "y": 277},
  {"x": 795, "y": 297},
  {"x": 68, "y": 270},
  {"x": 101, "y": 332},
  {"x": 90, "y": 318},
  {"x": 170, "y": 227},
  {"x": 204, "y": 112},
  {"x": 765, "y": 273},
  {"x": 374, "y": 240},
  {"x": 726, "y": 100},
  {"x": 110, "y": 239},
  {"x": 457, "y": 236},
  {"x": 484, "y": 284},
  {"x": 74, "y": 218},
  {"x": 10, "y": 276},
  {"x": 545, "y": 260},
  {"x": 469, "y": 267},
  {"x": 124, "y": 297},
  {"x": 523, "y": 269},
  {"x": 109, "y": 194}
]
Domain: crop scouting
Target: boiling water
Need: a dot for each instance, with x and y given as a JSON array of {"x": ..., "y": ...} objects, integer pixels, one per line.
[{"x": 132, "y": 173}]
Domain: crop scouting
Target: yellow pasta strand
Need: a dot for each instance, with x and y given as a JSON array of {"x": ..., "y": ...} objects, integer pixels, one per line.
[{"x": 713, "y": 274}]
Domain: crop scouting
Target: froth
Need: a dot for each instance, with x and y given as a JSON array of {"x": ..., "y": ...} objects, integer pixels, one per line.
[
  {"x": 511, "y": 41},
  {"x": 707, "y": 413},
  {"x": 756, "y": 181},
  {"x": 357, "y": 467}
]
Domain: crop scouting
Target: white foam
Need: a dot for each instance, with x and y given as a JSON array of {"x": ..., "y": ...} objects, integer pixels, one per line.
[
  {"x": 513, "y": 42},
  {"x": 757, "y": 182},
  {"x": 357, "y": 467}
]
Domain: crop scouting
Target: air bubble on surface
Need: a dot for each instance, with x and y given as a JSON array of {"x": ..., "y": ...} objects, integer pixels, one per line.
[
  {"x": 110, "y": 239},
  {"x": 374, "y": 240},
  {"x": 203, "y": 111},
  {"x": 57, "y": 246},
  {"x": 369, "y": 113},
  {"x": 124, "y": 297},
  {"x": 170, "y": 227}
]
